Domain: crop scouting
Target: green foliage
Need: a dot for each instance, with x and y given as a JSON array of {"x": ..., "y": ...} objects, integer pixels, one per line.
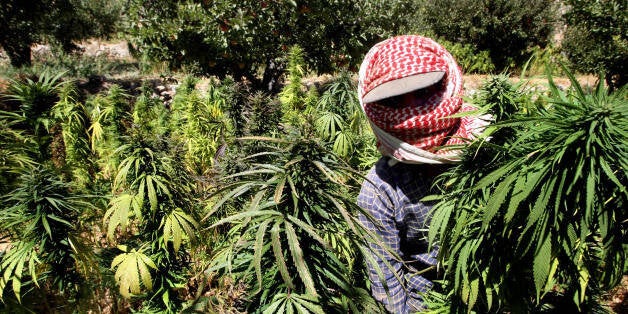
[
  {"x": 132, "y": 270},
  {"x": 252, "y": 112},
  {"x": 543, "y": 58},
  {"x": 292, "y": 219},
  {"x": 382, "y": 19},
  {"x": 251, "y": 38},
  {"x": 506, "y": 29},
  {"x": 502, "y": 99},
  {"x": 39, "y": 219},
  {"x": 262, "y": 114},
  {"x": 18, "y": 20},
  {"x": 536, "y": 220},
  {"x": 149, "y": 113},
  {"x": 469, "y": 58},
  {"x": 16, "y": 150},
  {"x": 596, "y": 38},
  {"x": 293, "y": 94},
  {"x": 75, "y": 123},
  {"x": 200, "y": 122},
  {"x": 34, "y": 100},
  {"x": 108, "y": 115},
  {"x": 339, "y": 120},
  {"x": 25, "y": 23},
  {"x": 152, "y": 194}
]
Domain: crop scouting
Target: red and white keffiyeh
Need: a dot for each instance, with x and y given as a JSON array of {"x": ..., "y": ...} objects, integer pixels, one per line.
[{"x": 412, "y": 131}]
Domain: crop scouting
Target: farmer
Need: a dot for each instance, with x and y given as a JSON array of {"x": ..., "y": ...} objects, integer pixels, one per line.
[{"x": 407, "y": 87}]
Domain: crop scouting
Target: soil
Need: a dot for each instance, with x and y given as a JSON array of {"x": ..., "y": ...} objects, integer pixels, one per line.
[{"x": 617, "y": 299}]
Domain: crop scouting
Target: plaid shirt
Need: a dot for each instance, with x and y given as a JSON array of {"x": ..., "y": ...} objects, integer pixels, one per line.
[{"x": 391, "y": 194}]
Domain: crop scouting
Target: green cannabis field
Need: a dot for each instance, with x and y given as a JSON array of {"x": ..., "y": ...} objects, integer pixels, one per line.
[{"x": 211, "y": 163}]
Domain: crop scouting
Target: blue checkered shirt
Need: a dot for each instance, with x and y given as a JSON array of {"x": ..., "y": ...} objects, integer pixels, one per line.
[{"x": 391, "y": 194}]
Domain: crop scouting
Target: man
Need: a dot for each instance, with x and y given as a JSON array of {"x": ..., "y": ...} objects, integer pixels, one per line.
[{"x": 408, "y": 87}]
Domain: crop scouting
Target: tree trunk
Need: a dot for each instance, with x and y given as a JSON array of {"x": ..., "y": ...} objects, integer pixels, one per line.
[{"x": 19, "y": 51}]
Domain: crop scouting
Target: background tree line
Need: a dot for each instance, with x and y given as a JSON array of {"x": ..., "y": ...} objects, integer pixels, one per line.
[{"x": 249, "y": 38}]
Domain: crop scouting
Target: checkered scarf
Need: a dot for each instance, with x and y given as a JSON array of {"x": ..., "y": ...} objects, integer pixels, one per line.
[{"x": 413, "y": 130}]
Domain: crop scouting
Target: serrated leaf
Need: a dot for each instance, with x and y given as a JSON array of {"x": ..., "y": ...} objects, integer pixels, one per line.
[
  {"x": 244, "y": 215},
  {"x": 308, "y": 302},
  {"x": 258, "y": 253},
  {"x": 279, "y": 190},
  {"x": 298, "y": 258},
  {"x": 311, "y": 231},
  {"x": 497, "y": 199},
  {"x": 523, "y": 187},
  {"x": 540, "y": 205},
  {"x": 342, "y": 210},
  {"x": 541, "y": 265},
  {"x": 274, "y": 306},
  {"x": 590, "y": 196},
  {"x": 279, "y": 255},
  {"x": 119, "y": 213},
  {"x": 474, "y": 288},
  {"x": 343, "y": 145},
  {"x": 145, "y": 275},
  {"x": 152, "y": 194},
  {"x": 132, "y": 272},
  {"x": 44, "y": 223},
  {"x": 440, "y": 220}
]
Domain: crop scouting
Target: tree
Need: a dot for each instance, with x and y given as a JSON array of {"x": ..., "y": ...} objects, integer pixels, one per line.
[
  {"x": 596, "y": 38},
  {"x": 26, "y": 22},
  {"x": 507, "y": 29},
  {"x": 17, "y": 19},
  {"x": 251, "y": 38}
]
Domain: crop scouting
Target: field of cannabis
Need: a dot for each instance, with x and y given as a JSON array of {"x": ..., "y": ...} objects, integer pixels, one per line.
[{"x": 182, "y": 193}]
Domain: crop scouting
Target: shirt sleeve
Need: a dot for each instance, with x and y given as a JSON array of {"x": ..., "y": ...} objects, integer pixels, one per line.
[{"x": 387, "y": 276}]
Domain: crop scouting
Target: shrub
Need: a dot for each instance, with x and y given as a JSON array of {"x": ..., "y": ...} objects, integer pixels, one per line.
[
  {"x": 293, "y": 93},
  {"x": 596, "y": 39},
  {"x": 152, "y": 195},
  {"x": 469, "y": 58},
  {"x": 27, "y": 22},
  {"x": 251, "y": 38},
  {"x": 340, "y": 121},
  {"x": 506, "y": 29},
  {"x": 201, "y": 123}
]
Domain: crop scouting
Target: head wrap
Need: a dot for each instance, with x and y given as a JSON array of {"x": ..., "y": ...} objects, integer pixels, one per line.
[{"x": 412, "y": 131}]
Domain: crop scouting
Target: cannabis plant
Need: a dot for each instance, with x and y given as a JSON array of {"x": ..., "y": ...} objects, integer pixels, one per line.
[
  {"x": 534, "y": 219},
  {"x": 152, "y": 215},
  {"x": 17, "y": 149},
  {"x": 75, "y": 122},
  {"x": 201, "y": 123},
  {"x": 261, "y": 113},
  {"x": 292, "y": 234},
  {"x": 293, "y": 93},
  {"x": 109, "y": 114},
  {"x": 35, "y": 99},
  {"x": 46, "y": 253},
  {"x": 341, "y": 122},
  {"x": 149, "y": 113}
]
